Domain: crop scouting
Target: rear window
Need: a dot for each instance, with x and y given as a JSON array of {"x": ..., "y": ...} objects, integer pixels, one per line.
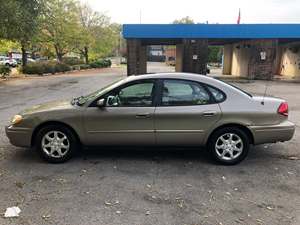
[{"x": 235, "y": 87}]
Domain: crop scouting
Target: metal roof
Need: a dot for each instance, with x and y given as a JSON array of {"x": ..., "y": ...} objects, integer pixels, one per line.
[{"x": 211, "y": 31}]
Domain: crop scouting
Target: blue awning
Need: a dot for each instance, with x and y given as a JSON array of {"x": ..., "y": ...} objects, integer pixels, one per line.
[{"x": 211, "y": 31}]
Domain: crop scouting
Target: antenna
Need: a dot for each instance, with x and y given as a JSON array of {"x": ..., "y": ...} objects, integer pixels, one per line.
[{"x": 265, "y": 93}]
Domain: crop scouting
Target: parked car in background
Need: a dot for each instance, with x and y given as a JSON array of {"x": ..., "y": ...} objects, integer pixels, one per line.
[
  {"x": 177, "y": 109},
  {"x": 8, "y": 62}
]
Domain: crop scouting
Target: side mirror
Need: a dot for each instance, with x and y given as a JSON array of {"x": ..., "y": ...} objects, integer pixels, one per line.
[{"x": 101, "y": 102}]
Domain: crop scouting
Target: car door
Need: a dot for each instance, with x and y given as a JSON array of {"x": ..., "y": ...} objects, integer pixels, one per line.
[
  {"x": 185, "y": 113},
  {"x": 127, "y": 117}
]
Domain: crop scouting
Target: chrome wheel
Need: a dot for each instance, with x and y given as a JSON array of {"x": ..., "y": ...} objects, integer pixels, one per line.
[
  {"x": 229, "y": 146},
  {"x": 55, "y": 144}
]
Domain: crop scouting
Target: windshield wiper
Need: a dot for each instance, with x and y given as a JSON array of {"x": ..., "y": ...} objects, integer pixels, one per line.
[{"x": 76, "y": 100}]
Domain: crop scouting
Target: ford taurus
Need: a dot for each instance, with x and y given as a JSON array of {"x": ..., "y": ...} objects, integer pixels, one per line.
[{"x": 159, "y": 109}]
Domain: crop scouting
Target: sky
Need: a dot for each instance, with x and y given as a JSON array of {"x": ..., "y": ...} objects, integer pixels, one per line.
[{"x": 213, "y": 11}]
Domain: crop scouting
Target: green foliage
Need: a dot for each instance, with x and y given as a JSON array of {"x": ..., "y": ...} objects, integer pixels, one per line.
[
  {"x": 7, "y": 46},
  {"x": 215, "y": 54},
  {"x": 184, "y": 20},
  {"x": 61, "y": 67},
  {"x": 4, "y": 71},
  {"x": 72, "y": 61},
  {"x": 41, "y": 68},
  {"x": 54, "y": 28},
  {"x": 19, "y": 21},
  {"x": 81, "y": 67},
  {"x": 100, "y": 63},
  {"x": 60, "y": 26}
]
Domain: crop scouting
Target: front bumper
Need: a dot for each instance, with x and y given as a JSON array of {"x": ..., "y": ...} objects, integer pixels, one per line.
[
  {"x": 19, "y": 136},
  {"x": 273, "y": 133}
]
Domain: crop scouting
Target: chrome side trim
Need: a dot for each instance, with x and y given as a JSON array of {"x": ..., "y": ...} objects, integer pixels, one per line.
[
  {"x": 121, "y": 131},
  {"x": 179, "y": 131},
  {"x": 147, "y": 131}
]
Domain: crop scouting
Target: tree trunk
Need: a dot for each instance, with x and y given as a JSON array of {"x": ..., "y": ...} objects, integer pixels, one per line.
[
  {"x": 86, "y": 55},
  {"x": 59, "y": 55},
  {"x": 24, "y": 55}
]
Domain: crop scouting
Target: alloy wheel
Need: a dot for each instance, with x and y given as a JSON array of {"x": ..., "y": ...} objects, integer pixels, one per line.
[
  {"x": 229, "y": 146},
  {"x": 55, "y": 144}
]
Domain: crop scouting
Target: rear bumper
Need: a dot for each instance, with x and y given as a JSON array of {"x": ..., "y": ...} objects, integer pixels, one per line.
[
  {"x": 273, "y": 133},
  {"x": 19, "y": 136}
]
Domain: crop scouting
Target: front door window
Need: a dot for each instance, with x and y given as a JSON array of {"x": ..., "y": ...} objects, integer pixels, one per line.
[{"x": 135, "y": 95}]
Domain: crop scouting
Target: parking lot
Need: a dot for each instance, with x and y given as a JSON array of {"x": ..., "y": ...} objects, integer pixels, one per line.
[{"x": 144, "y": 186}]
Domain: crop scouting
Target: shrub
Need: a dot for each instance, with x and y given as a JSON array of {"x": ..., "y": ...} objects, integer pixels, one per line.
[
  {"x": 61, "y": 67},
  {"x": 101, "y": 63},
  {"x": 4, "y": 71},
  {"x": 84, "y": 66},
  {"x": 33, "y": 68},
  {"x": 72, "y": 61},
  {"x": 41, "y": 68}
]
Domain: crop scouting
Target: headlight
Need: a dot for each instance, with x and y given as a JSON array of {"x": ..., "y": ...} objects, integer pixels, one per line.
[{"x": 16, "y": 119}]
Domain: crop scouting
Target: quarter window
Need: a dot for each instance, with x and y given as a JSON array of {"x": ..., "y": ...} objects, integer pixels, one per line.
[
  {"x": 178, "y": 92},
  {"x": 139, "y": 94},
  {"x": 218, "y": 95}
]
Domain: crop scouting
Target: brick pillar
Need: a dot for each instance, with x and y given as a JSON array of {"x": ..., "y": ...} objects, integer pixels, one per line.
[
  {"x": 262, "y": 59},
  {"x": 179, "y": 57},
  {"x": 195, "y": 56},
  {"x": 136, "y": 57}
]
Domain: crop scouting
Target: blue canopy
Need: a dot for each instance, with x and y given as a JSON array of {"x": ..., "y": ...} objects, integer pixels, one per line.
[{"x": 212, "y": 31}]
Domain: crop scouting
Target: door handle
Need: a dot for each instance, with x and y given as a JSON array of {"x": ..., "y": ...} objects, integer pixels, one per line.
[
  {"x": 209, "y": 113},
  {"x": 142, "y": 115}
]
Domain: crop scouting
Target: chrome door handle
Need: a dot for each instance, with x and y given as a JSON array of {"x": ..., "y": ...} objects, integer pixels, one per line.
[
  {"x": 209, "y": 113},
  {"x": 142, "y": 115}
]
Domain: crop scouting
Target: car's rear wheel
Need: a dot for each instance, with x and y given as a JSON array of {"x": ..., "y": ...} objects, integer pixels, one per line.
[
  {"x": 229, "y": 145},
  {"x": 56, "y": 144}
]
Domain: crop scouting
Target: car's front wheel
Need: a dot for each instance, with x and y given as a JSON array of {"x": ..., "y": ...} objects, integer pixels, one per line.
[
  {"x": 56, "y": 144},
  {"x": 229, "y": 146}
]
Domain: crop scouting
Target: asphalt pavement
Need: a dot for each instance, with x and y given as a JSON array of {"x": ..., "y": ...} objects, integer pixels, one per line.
[{"x": 141, "y": 186}]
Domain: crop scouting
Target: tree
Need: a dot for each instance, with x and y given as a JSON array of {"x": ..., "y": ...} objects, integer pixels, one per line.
[
  {"x": 215, "y": 54},
  {"x": 7, "y": 46},
  {"x": 60, "y": 26},
  {"x": 184, "y": 20},
  {"x": 90, "y": 22},
  {"x": 20, "y": 21},
  {"x": 106, "y": 40}
]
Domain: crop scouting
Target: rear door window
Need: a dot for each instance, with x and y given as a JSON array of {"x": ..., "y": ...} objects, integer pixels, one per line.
[{"x": 183, "y": 93}]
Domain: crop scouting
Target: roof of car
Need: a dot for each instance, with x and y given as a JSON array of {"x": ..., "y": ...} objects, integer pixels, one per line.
[
  {"x": 183, "y": 76},
  {"x": 189, "y": 76}
]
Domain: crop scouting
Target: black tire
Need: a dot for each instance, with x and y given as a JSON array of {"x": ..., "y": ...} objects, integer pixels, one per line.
[
  {"x": 61, "y": 130},
  {"x": 245, "y": 145}
]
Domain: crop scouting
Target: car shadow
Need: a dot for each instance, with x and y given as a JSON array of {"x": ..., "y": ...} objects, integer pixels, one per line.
[
  {"x": 156, "y": 154},
  {"x": 146, "y": 153}
]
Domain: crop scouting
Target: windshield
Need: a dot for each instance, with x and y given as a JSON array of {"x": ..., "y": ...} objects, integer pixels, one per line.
[{"x": 83, "y": 99}]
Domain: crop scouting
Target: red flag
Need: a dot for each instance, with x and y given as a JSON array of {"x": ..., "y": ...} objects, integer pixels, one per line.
[{"x": 239, "y": 17}]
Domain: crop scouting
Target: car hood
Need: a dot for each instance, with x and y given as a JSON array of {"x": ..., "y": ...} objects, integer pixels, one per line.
[{"x": 49, "y": 106}]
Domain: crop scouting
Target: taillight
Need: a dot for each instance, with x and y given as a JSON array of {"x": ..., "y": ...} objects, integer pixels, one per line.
[{"x": 283, "y": 109}]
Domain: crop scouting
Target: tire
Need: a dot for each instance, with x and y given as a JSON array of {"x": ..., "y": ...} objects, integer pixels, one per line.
[
  {"x": 56, "y": 143},
  {"x": 229, "y": 145}
]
